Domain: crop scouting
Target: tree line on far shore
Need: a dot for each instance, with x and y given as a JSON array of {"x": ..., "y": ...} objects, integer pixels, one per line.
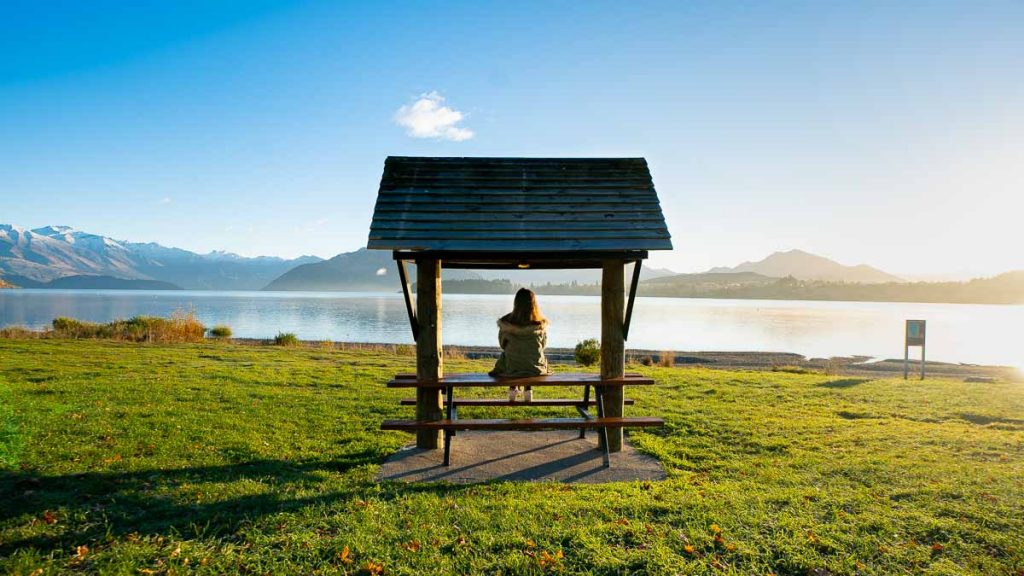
[{"x": 1006, "y": 288}]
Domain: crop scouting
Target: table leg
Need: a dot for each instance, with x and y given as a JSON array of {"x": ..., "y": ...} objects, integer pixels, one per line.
[
  {"x": 599, "y": 396},
  {"x": 586, "y": 406},
  {"x": 448, "y": 434}
]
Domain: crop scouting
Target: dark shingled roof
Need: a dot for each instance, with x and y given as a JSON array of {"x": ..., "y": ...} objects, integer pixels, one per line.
[{"x": 533, "y": 205}]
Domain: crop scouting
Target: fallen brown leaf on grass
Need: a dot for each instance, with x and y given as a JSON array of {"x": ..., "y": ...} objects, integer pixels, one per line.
[
  {"x": 547, "y": 560},
  {"x": 412, "y": 546},
  {"x": 344, "y": 556}
]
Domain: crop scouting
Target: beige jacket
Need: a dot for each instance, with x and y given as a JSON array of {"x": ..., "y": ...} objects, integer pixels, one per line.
[{"x": 522, "y": 350}]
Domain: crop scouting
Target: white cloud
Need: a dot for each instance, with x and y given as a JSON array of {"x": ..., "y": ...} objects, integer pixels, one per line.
[
  {"x": 428, "y": 117},
  {"x": 165, "y": 200},
  {"x": 382, "y": 271}
]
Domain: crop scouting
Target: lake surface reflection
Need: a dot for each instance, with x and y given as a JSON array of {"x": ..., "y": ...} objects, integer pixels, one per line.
[{"x": 986, "y": 334}]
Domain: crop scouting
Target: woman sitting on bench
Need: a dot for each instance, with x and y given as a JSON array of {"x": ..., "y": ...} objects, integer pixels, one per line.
[{"x": 522, "y": 335}]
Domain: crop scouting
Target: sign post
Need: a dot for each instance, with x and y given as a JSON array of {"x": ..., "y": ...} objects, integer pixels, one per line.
[{"x": 915, "y": 337}]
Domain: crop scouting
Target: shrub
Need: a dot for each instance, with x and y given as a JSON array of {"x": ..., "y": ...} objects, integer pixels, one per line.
[
  {"x": 220, "y": 331},
  {"x": 286, "y": 339},
  {"x": 588, "y": 352},
  {"x": 647, "y": 360},
  {"x": 72, "y": 328},
  {"x": 667, "y": 359}
]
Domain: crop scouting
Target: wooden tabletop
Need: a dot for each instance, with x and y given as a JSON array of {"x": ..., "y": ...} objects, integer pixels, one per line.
[{"x": 484, "y": 380}]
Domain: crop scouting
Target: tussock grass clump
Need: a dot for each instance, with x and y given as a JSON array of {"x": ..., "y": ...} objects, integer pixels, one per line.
[
  {"x": 640, "y": 360},
  {"x": 667, "y": 359},
  {"x": 792, "y": 369},
  {"x": 180, "y": 327},
  {"x": 286, "y": 339},
  {"x": 404, "y": 350},
  {"x": 220, "y": 331},
  {"x": 20, "y": 333},
  {"x": 454, "y": 353}
]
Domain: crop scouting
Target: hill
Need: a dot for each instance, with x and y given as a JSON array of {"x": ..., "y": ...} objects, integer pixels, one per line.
[
  {"x": 44, "y": 254},
  {"x": 806, "y": 266},
  {"x": 362, "y": 270},
  {"x": 580, "y": 276},
  {"x": 374, "y": 270},
  {"x": 86, "y": 282}
]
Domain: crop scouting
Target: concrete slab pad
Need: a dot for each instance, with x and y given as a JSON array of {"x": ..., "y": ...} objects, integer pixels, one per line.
[{"x": 552, "y": 456}]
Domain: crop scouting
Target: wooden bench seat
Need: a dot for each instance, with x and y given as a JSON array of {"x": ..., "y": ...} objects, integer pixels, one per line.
[
  {"x": 522, "y": 424},
  {"x": 483, "y": 380},
  {"x": 536, "y": 402}
]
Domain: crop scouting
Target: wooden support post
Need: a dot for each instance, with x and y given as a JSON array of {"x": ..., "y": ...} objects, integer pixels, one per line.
[
  {"x": 613, "y": 343},
  {"x": 410, "y": 307},
  {"x": 429, "y": 361},
  {"x": 632, "y": 298}
]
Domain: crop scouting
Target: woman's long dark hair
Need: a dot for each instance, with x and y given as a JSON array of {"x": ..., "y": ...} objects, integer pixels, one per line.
[{"x": 524, "y": 309}]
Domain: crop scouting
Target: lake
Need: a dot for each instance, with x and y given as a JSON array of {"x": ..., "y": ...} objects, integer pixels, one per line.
[{"x": 983, "y": 334}]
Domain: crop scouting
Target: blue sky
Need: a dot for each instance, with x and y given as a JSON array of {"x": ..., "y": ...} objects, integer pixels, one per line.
[{"x": 890, "y": 133}]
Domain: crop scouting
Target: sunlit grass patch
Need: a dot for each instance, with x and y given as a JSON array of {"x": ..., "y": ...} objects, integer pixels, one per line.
[{"x": 221, "y": 458}]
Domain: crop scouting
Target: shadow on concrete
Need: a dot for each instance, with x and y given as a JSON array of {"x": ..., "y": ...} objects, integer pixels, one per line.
[{"x": 486, "y": 456}]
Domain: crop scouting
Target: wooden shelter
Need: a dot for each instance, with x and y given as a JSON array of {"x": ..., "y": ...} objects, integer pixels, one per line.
[{"x": 517, "y": 213}]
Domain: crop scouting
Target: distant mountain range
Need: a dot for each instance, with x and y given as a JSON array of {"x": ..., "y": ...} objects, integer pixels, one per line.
[
  {"x": 38, "y": 256},
  {"x": 61, "y": 257},
  {"x": 368, "y": 270},
  {"x": 362, "y": 270},
  {"x": 805, "y": 266}
]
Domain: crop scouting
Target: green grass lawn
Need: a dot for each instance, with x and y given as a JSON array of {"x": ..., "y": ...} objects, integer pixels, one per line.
[{"x": 221, "y": 458}]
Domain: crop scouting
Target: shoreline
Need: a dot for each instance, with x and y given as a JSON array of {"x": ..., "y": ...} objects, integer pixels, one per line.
[{"x": 862, "y": 366}]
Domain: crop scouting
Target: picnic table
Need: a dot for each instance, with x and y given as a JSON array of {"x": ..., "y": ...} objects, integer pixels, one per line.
[{"x": 452, "y": 423}]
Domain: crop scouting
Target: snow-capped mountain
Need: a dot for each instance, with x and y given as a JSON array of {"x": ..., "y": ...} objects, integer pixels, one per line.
[{"x": 50, "y": 252}]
